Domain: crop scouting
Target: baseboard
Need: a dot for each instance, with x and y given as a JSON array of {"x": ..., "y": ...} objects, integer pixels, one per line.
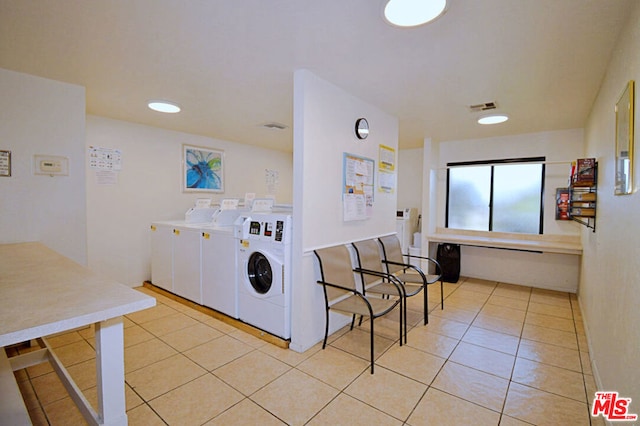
[
  {"x": 256, "y": 332},
  {"x": 594, "y": 367},
  {"x": 592, "y": 359}
]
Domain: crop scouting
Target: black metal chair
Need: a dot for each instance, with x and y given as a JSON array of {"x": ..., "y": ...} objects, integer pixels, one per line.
[
  {"x": 374, "y": 277},
  {"x": 412, "y": 277},
  {"x": 342, "y": 295}
]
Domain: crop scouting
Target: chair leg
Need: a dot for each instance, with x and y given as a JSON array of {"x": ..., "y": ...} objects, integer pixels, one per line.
[
  {"x": 353, "y": 320},
  {"x": 404, "y": 308},
  {"x": 441, "y": 295},
  {"x": 372, "y": 362},
  {"x": 405, "y": 323},
  {"x": 326, "y": 329},
  {"x": 426, "y": 305}
]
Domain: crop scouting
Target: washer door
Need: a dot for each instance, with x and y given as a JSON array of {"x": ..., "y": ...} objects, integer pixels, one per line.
[{"x": 259, "y": 272}]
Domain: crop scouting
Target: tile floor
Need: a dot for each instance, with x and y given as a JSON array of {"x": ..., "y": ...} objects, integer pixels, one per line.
[{"x": 497, "y": 354}]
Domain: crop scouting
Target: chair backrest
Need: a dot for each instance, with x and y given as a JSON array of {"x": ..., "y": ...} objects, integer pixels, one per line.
[
  {"x": 392, "y": 251},
  {"x": 368, "y": 253},
  {"x": 336, "y": 268}
]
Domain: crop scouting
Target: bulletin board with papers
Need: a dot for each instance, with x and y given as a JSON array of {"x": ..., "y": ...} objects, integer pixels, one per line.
[{"x": 358, "y": 187}]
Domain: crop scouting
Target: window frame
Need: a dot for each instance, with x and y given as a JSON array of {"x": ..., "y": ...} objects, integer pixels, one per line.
[{"x": 500, "y": 162}]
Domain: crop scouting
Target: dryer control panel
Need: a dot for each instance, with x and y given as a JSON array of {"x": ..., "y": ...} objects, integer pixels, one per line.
[{"x": 265, "y": 227}]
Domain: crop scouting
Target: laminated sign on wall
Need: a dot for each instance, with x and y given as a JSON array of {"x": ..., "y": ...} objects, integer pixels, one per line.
[
  {"x": 386, "y": 170},
  {"x": 106, "y": 162},
  {"x": 357, "y": 191}
]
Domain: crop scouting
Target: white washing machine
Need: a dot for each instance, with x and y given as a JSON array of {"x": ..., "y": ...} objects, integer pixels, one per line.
[
  {"x": 264, "y": 272},
  {"x": 219, "y": 264},
  {"x": 187, "y": 262},
  {"x": 162, "y": 254}
]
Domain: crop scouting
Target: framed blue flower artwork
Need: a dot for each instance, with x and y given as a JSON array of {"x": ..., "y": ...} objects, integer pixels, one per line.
[{"x": 203, "y": 169}]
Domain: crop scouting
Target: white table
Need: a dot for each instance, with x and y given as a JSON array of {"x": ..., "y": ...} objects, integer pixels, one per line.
[{"x": 42, "y": 293}]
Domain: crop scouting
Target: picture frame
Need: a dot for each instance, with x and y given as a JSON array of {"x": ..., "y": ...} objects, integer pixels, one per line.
[
  {"x": 624, "y": 141},
  {"x": 202, "y": 169},
  {"x": 5, "y": 163}
]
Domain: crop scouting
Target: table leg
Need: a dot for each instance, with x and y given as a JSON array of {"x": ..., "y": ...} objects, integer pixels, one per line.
[{"x": 110, "y": 371}]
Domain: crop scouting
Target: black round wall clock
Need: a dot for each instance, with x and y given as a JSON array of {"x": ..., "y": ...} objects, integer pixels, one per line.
[{"x": 362, "y": 128}]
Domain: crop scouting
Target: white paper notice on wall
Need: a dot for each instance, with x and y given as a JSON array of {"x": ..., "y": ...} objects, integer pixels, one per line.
[
  {"x": 354, "y": 207},
  {"x": 386, "y": 182},
  {"x": 386, "y": 169},
  {"x": 5, "y": 163},
  {"x": 272, "y": 180},
  {"x": 105, "y": 159},
  {"x": 106, "y": 177}
]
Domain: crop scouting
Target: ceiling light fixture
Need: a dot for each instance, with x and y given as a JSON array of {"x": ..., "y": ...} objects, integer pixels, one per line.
[
  {"x": 164, "y": 106},
  {"x": 411, "y": 13},
  {"x": 493, "y": 118}
]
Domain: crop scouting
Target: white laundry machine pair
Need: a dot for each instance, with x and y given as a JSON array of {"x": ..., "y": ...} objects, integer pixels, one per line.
[
  {"x": 175, "y": 258},
  {"x": 264, "y": 272}
]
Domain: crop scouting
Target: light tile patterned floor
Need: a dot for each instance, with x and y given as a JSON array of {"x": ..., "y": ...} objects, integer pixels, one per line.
[{"x": 497, "y": 354}]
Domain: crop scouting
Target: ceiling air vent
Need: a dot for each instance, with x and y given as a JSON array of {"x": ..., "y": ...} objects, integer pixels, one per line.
[
  {"x": 274, "y": 126},
  {"x": 487, "y": 106}
]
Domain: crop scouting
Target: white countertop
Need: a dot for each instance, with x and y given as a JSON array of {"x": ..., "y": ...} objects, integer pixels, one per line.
[
  {"x": 563, "y": 244},
  {"x": 43, "y": 292}
]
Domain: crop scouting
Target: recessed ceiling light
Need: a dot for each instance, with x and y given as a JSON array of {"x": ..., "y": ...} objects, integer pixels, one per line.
[
  {"x": 411, "y": 13},
  {"x": 493, "y": 119},
  {"x": 164, "y": 106}
]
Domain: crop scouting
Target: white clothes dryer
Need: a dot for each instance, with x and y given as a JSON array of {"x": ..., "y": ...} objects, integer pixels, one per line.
[{"x": 264, "y": 272}]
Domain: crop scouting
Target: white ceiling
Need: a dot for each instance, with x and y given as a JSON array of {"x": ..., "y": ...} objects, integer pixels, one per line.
[{"x": 230, "y": 63}]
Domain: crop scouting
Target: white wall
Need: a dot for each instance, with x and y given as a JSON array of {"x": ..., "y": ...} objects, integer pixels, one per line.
[
  {"x": 410, "y": 178},
  {"x": 149, "y": 188},
  {"x": 610, "y": 286},
  {"x": 41, "y": 116},
  {"x": 324, "y": 118},
  {"x": 547, "y": 270}
]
